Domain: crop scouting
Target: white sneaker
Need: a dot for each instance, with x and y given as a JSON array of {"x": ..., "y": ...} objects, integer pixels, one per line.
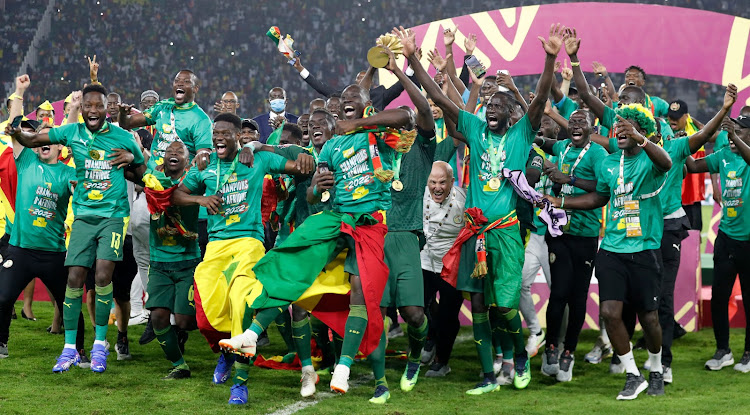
[
  {"x": 744, "y": 364},
  {"x": 242, "y": 344},
  {"x": 141, "y": 318},
  {"x": 534, "y": 342},
  {"x": 616, "y": 367},
  {"x": 340, "y": 379},
  {"x": 667, "y": 375},
  {"x": 309, "y": 379},
  {"x": 507, "y": 373},
  {"x": 497, "y": 365},
  {"x": 428, "y": 354},
  {"x": 721, "y": 359},
  {"x": 567, "y": 361},
  {"x": 600, "y": 352}
]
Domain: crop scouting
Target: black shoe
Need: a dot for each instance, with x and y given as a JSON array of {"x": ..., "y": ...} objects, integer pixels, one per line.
[
  {"x": 634, "y": 385},
  {"x": 123, "y": 349},
  {"x": 148, "y": 334},
  {"x": 655, "y": 383},
  {"x": 640, "y": 344},
  {"x": 263, "y": 340},
  {"x": 678, "y": 331},
  {"x": 177, "y": 373},
  {"x": 49, "y": 330},
  {"x": 23, "y": 314},
  {"x": 182, "y": 338}
]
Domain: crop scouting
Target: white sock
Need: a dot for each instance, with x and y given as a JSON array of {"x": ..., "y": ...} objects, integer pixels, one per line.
[
  {"x": 603, "y": 333},
  {"x": 508, "y": 361},
  {"x": 102, "y": 342},
  {"x": 69, "y": 346},
  {"x": 629, "y": 361},
  {"x": 654, "y": 361},
  {"x": 308, "y": 368}
]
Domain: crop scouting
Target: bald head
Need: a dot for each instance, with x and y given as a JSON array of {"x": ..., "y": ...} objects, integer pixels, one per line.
[
  {"x": 440, "y": 181},
  {"x": 230, "y": 102}
]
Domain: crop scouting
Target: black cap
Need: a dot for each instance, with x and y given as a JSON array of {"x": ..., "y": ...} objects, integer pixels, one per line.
[
  {"x": 677, "y": 109},
  {"x": 572, "y": 91},
  {"x": 743, "y": 121},
  {"x": 250, "y": 123},
  {"x": 33, "y": 124}
]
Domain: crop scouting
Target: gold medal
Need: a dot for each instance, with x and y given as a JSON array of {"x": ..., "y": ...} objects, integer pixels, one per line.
[
  {"x": 325, "y": 196},
  {"x": 397, "y": 185},
  {"x": 94, "y": 154},
  {"x": 494, "y": 183}
]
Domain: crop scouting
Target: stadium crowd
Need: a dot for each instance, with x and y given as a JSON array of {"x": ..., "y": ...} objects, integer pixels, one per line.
[{"x": 321, "y": 214}]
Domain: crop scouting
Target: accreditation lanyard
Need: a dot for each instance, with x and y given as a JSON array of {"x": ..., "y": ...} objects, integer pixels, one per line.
[
  {"x": 315, "y": 154},
  {"x": 578, "y": 159},
  {"x": 227, "y": 175},
  {"x": 496, "y": 155}
]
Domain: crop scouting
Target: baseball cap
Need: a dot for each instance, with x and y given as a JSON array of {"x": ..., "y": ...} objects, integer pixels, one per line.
[
  {"x": 250, "y": 123},
  {"x": 743, "y": 121},
  {"x": 677, "y": 109}
]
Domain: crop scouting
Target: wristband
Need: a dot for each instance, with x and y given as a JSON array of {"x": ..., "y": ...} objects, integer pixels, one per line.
[
  {"x": 572, "y": 179},
  {"x": 315, "y": 191},
  {"x": 409, "y": 71},
  {"x": 304, "y": 73},
  {"x": 575, "y": 63},
  {"x": 250, "y": 146},
  {"x": 645, "y": 141}
]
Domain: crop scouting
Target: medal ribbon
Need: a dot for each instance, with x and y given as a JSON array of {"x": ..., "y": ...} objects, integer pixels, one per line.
[
  {"x": 396, "y": 165},
  {"x": 496, "y": 155},
  {"x": 92, "y": 136},
  {"x": 228, "y": 173}
]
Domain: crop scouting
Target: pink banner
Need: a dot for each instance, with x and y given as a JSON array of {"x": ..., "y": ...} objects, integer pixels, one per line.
[{"x": 667, "y": 41}]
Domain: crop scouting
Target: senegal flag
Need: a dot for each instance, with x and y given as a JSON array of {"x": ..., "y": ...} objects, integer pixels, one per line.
[{"x": 307, "y": 269}]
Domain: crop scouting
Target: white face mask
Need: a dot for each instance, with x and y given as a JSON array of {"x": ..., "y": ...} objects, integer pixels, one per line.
[{"x": 278, "y": 105}]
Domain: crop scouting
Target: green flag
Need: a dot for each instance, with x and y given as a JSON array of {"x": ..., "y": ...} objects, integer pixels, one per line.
[{"x": 275, "y": 137}]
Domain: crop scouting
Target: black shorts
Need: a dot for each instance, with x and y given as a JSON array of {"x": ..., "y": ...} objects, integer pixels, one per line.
[
  {"x": 123, "y": 275},
  {"x": 634, "y": 278}
]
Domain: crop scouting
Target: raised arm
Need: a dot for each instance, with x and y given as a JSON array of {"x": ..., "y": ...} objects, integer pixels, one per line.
[
  {"x": 450, "y": 110},
  {"x": 567, "y": 76},
  {"x": 742, "y": 146},
  {"x": 601, "y": 140},
  {"x": 696, "y": 166},
  {"x": 16, "y": 107},
  {"x": 366, "y": 81},
  {"x": 130, "y": 121},
  {"x": 572, "y": 44},
  {"x": 551, "y": 47},
  {"x": 394, "y": 118},
  {"x": 504, "y": 79},
  {"x": 322, "y": 88},
  {"x": 424, "y": 114},
  {"x": 700, "y": 138},
  {"x": 601, "y": 70},
  {"x": 74, "y": 107},
  {"x": 450, "y": 126}
]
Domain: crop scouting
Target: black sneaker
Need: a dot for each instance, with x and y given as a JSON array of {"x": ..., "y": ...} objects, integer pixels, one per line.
[
  {"x": 177, "y": 373},
  {"x": 182, "y": 338},
  {"x": 123, "y": 349},
  {"x": 678, "y": 331},
  {"x": 640, "y": 344},
  {"x": 634, "y": 385},
  {"x": 263, "y": 340},
  {"x": 655, "y": 383},
  {"x": 550, "y": 362},
  {"x": 148, "y": 334},
  {"x": 85, "y": 361}
]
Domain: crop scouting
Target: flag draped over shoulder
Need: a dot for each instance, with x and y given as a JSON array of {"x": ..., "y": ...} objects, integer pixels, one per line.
[
  {"x": 8, "y": 182},
  {"x": 291, "y": 272}
]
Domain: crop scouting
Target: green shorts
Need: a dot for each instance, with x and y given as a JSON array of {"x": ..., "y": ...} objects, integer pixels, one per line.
[
  {"x": 505, "y": 255},
  {"x": 95, "y": 237},
  {"x": 170, "y": 286},
  {"x": 405, "y": 285}
]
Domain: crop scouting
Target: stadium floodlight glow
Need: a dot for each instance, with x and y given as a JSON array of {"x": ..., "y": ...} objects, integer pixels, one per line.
[
  {"x": 171, "y": 43},
  {"x": 363, "y": 19},
  {"x": 232, "y": 53},
  {"x": 191, "y": 58}
]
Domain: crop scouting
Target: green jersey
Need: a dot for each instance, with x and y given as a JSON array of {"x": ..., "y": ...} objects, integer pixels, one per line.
[
  {"x": 671, "y": 195},
  {"x": 302, "y": 209},
  {"x": 722, "y": 140},
  {"x": 634, "y": 215},
  {"x": 357, "y": 190},
  {"x": 734, "y": 172},
  {"x": 610, "y": 118},
  {"x": 445, "y": 149},
  {"x": 490, "y": 154},
  {"x": 102, "y": 189},
  {"x": 658, "y": 106},
  {"x": 412, "y": 170},
  {"x": 166, "y": 245},
  {"x": 567, "y": 107},
  {"x": 583, "y": 163},
  {"x": 42, "y": 197},
  {"x": 241, "y": 189},
  {"x": 186, "y": 122}
]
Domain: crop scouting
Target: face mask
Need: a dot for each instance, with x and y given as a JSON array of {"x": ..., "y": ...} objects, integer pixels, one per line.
[{"x": 278, "y": 105}]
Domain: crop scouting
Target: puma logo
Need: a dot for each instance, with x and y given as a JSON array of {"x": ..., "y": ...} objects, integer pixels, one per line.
[
  {"x": 676, "y": 246},
  {"x": 67, "y": 304},
  {"x": 725, "y": 163},
  {"x": 302, "y": 337},
  {"x": 589, "y": 263},
  {"x": 611, "y": 170},
  {"x": 479, "y": 342},
  {"x": 162, "y": 344},
  {"x": 102, "y": 301},
  {"x": 241, "y": 379}
]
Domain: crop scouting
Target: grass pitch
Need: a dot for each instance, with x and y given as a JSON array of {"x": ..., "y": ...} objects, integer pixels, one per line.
[{"x": 28, "y": 386}]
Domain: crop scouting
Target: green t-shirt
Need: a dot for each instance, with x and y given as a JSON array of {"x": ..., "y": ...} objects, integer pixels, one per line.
[
  {"x": 102, "y": 189},
  {"x": 580, "y": 222},
  {"x": 628, "y": 212},
  {"x": 241, "y": 189},
  {"x": 42, "y": 197},
  {"x": 722, "y": 140},
  {"x": 609, "y": 119},
  {"x": 357, "y": 190},
  {"x": 170, "y": 247},
  {"x": 406, "y": 209},
  {"x": 190, "y": 124},
  {"x": 567, "y": 107},
  {"x": 661, "y": 107},
  {"x": 671, "y": 194},
  {"x": 445, "y": 149},
  {"x": 734, "y": 172},
  {"x": 495, "y": 204}
]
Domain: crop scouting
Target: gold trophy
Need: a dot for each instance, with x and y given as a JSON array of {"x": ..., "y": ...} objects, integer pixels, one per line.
[{"x": 376, "y": 56}]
